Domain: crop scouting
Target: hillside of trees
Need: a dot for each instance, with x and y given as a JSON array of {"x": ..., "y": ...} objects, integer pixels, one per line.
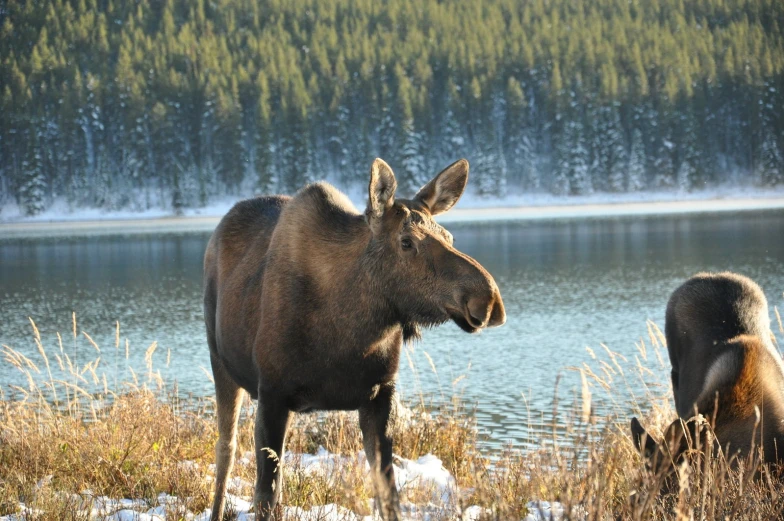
[{"x": 115, "y": 104}]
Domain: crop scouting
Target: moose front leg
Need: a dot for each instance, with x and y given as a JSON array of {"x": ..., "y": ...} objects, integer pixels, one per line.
[
  {"x": 272, "y": 421},
  {"x": 375, "y": 420}
]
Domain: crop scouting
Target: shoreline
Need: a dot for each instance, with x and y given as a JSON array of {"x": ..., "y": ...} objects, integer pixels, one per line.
[
  {"x": 128, "y": 224},
  {"x": 612, "y": 209}
]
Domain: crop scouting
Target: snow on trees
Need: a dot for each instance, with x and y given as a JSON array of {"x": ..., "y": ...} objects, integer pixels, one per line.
[
  {"x": 770, "y": 169},
  {"x": 635, "y": 180},
  {"x": 112, "y": 103},
  {"x": 413, "y": 173},
  {"x": 609, "y": 152}
]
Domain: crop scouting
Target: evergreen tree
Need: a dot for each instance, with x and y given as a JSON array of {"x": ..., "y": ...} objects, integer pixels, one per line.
[
  {"x": 413, "y": 174},
  {"x": 518, "y": 141},
  {"x": 389, "y": 132},
  {"x": 686, "y": 176},
  {"x": 5, "y": 189},
  {"x": 610, "y": 161},
  {"x": 581, "y": 181},
  {"x": 453, "y": 143},
  {"x": 771, "y": 162},
  {"x": 573, "y": 167},
  {"x": 561, "y": 182},
  {"x": 636, "y": 179},
  {"x": 662, "y": 165},
  {"x": 33, "y": 186},
  {"x": 297, "y": 158},
  {"x": 489, "y": 172},
  {"x": 338, "y": 145},
  {"x": 523, "y": 162}
]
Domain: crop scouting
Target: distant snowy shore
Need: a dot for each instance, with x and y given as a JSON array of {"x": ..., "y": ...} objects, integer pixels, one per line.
[{"x": 62, "y": 220}]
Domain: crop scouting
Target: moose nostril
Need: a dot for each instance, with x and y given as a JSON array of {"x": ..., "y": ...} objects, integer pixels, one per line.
[
  {"x": 475, "y": 321},
  {"x": 477, "y": 309}
]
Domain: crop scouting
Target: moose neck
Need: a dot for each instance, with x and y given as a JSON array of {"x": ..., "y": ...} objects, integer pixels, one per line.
[
  {"x": 347, "y": 270},
  {"x": 350, "y": 269},
  {"x": 356, "y": 287}
]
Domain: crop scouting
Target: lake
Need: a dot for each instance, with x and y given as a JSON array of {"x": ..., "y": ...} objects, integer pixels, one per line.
[{"x": 568, "y": 285}]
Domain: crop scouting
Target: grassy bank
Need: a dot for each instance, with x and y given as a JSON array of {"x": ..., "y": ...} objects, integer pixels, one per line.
[{"x": 64, "y": 450}]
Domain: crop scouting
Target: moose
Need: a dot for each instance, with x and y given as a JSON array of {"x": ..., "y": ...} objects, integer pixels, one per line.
[
  {"x": 725, "y": 372},
  {"x": 307, "y": 303}
]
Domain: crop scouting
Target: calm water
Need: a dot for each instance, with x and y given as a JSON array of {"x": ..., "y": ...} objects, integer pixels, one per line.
[{"x": 567, "y": 285}]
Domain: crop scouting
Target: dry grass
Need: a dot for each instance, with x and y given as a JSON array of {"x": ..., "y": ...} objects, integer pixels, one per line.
[{"x": 62, "y": 444}]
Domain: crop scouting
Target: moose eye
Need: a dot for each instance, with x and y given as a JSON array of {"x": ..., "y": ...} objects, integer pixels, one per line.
[{"x": 406, "y": 244}]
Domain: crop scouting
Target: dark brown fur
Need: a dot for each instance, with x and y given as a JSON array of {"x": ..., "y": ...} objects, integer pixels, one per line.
[
  {"x": 307, "y": 303},
  {"x": 725, "y": 368}
]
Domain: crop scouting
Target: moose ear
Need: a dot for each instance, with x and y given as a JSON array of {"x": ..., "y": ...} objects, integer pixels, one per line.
[
  {"x": 640, "y": 436},
  {"x": 443, "y": 191},
  {"x": 381, "y": 190}
]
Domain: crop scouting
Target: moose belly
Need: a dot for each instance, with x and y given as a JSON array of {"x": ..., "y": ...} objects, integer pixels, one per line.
[
  {"x": 344, "y": 386},
  {"x": 323, "y": 399}
]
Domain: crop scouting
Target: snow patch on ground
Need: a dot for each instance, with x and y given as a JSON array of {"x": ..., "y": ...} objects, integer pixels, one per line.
[
  {"x": 102, "y": 508},
  {"x": 429, "y": 473},
  {"x": 426, "y": 473}
]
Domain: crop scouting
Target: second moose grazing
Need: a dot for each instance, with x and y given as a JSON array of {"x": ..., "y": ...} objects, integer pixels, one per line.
[
  {"x": 724, "y": 367},
  {"x": 307, "y": 303}
]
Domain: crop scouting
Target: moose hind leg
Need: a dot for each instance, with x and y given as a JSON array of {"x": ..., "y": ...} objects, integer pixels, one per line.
[
  {"x": 272, "y": 421},
  {"x": 228, "y": 397},
  {"x": 375, "y": 420}
]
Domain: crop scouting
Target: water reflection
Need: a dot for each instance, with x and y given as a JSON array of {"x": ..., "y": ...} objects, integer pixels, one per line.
[{"x": 567, "y": 286}]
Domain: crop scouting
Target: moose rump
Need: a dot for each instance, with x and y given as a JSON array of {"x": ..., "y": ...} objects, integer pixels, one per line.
[
  {"x": 308, "y": 301},
  {"x": 725, "y": 371}
]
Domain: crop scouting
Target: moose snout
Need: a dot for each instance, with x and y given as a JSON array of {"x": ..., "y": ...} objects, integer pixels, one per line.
[
  {"x": 475, "y": 300},
  {"x": 486, "y": 310},
  {"x": 498, "y": 314}
]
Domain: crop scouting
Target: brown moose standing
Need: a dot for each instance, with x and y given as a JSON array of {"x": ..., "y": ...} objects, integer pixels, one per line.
[{"x": 307, "y": 303}]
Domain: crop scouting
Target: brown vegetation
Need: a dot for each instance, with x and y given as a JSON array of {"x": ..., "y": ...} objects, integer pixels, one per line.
[{"x": 138, "y": 441}]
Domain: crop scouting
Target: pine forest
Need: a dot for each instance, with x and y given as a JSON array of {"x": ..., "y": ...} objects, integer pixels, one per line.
[{"x": 118, "y": 104}]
